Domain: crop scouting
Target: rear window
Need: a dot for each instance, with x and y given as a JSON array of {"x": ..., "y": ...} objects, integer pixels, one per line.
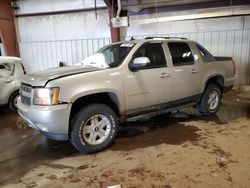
[
  {"x": 181, "y": 53},
  {"x": 205, "y": 55},
  {"x": 6, "y": 69}
]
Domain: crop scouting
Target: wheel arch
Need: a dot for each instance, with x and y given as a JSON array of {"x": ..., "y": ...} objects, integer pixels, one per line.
[
  {"x": 108, "y": 98},
  {"x": 12, "y": 93},
  {"x": 215, "y": 79}
]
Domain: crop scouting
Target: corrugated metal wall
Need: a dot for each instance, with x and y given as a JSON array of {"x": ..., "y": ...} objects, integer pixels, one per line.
[
  {"x": 232, "y": 43},
  {"x": 40, "y": 55},
  {"x": 46, "y": 40}
]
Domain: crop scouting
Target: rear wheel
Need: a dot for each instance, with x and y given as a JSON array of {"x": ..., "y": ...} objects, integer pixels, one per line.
[
  {"x": 94, "y": 128},
  {"x": 13, "y": 101},
  {"x": 210, "y": 101}
]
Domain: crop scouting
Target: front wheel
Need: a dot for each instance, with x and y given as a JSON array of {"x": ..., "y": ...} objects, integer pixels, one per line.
[
  {"x": 13, "y": 101},
  {"x": 210, "y": 101},
  {"x": 94, "y": 128}
]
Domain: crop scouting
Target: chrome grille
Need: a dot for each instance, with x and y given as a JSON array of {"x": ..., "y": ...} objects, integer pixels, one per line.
[
  {"x": 26, "y": 88},
  {"x": 26, "y": 94},
  {"x": 25, "y": 100}
]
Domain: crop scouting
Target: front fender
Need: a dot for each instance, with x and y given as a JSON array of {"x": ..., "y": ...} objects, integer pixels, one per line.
[{"x": 90, "y": 92}]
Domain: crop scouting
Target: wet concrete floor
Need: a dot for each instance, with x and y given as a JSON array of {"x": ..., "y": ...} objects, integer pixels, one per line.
[{"x": 23, "y": 148}]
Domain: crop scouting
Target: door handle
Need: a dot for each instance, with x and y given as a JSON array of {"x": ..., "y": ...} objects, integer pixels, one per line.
[
  {"x": 165, "y": 75},
  {"x": 194, "y": 71}
]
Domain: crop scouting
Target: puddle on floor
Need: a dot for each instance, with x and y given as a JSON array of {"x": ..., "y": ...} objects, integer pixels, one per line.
[
  {"x": 173, "y": 133},
  {"x": 23, "y": 148}
]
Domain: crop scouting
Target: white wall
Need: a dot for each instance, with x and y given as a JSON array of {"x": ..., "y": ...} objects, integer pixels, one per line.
[
  {"x": 83, "y": 25},
  {"x": 46, "y": 40},
  {"x": 222, "y": 36}
]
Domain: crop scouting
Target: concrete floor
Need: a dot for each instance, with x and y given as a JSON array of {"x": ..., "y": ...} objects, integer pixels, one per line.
[{"x": 183, "y": 149}]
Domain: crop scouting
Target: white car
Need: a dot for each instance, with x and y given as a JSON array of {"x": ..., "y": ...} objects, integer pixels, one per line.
[{"x": 11, "y": 71}]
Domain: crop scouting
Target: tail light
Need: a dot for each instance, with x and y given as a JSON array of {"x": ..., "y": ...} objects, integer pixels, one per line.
[{"x": 234, "y": 68}]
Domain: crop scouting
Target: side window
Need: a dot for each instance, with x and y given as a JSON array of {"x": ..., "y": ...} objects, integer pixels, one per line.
[
  {"x": 6, "y": 69},
  {"x": 109, "y": 55},
  {"x": 181, "y": 53},
  {"x": 115, "y": 54},
  {"x": 205, "y": 55},
  {"x": 154, "y": 52}
]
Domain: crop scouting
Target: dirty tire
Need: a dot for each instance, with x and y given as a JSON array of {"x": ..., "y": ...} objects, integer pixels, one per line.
[
  {"x": 89, "y": 127},
  {"x": 206, "y": 107},
  {"x": 12, "y": 101}
]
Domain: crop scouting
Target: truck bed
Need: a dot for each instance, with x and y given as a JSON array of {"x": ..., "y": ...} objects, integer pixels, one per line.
[{"x": 220, "y": 58}]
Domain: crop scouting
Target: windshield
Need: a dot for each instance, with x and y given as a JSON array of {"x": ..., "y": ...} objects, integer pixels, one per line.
[
  {"x": 109, "y": 56},
  {"x": 6, "y": 69}
]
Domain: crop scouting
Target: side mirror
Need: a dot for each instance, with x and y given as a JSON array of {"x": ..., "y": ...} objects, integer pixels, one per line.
[
  {"x": 62, "y": 64},
  {"x": 139, "y": 63}
]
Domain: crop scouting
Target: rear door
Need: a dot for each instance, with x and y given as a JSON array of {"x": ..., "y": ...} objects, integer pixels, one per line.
[{"x": 186, "y": 73}]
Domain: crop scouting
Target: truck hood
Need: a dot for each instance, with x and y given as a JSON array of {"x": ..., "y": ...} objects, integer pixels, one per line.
[{"x": 42, "y": 77}]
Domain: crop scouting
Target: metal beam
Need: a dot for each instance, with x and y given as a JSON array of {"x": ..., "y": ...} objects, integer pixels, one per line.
[
  {"x": 189, "y": 6},
  {"x": 59, "y": 12},
  {"x": 115, "y": 32},
  {"x": 7, "y": 29},
  {"x": 141, "y": 4},
  {"x": 191, "y": 15}
]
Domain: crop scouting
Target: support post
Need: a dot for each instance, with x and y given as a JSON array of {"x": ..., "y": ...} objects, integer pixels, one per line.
[
  {"x": 115, "y": 32},
  {"x": 7, "y": 28}
]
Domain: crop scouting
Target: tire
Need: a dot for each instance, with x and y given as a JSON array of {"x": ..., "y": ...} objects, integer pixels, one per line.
[
  {"x": 87, "y": 136},
  {"x": 13, "y": 101},
  {"x": 210, "y": 101}
]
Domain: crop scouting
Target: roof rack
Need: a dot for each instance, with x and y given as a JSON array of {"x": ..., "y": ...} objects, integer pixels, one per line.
[{"x": 181, "y": 38}]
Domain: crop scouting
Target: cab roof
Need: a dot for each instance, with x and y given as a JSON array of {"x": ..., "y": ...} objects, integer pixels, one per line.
[
  {"x": 137, "y": 40},
  {"x": 9, "y": 59}
]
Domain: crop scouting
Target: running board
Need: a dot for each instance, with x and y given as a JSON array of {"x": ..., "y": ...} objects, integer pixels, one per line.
[{"x": 158, "y": 112}]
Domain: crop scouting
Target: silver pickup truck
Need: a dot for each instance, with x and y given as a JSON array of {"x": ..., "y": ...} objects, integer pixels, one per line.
[{"x": 123, "y": 81}]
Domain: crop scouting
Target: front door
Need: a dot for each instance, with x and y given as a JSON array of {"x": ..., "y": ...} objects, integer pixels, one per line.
[{"x": 151, "y": 85}]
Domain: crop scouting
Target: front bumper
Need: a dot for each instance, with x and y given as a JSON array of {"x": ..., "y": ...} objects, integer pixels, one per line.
[
  {"x": 3, "y": 101},
  {"x": 52, "y": 121}
]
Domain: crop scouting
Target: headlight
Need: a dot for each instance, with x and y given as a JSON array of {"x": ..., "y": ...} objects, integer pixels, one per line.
[{"x": 46, "y": 96}]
